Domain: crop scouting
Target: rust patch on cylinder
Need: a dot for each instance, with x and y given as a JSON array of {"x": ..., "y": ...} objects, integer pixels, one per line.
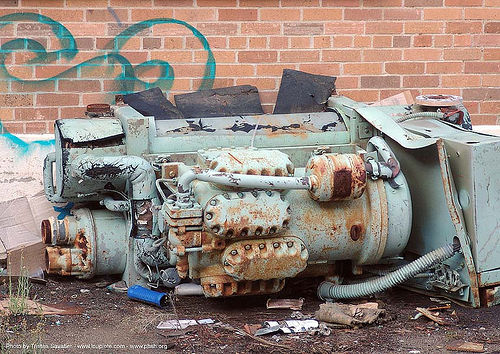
[
  {"x": 355, "y": 232},
  {"x": 46, "y": 231}
]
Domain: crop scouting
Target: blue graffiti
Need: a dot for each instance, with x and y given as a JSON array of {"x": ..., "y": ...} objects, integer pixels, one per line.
[
  {"x": 127, "y": 81},
  {"x": 21, "y": 145}
]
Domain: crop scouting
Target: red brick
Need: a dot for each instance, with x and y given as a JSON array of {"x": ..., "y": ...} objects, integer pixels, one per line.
[
  {"x": 100, "y": 15},
  {"x": 321, "y": 14},
  {"x": 363, "y": 41},
  {"x": 362, "y": 95},
  {"x": 342, "y": 3},
  {"x": 485, "y": 119},
  {"x": 421, "y": 81},
  {"x": 443, "y": 40},
  {"x": 323, "y": 69},
  {"x": 57, "y": 99},
  {"x": 482, "y": 67},
  {"x": 460, "y": 80},
  {"x": 341, "y": 55},
  {"x": 463, "y": 2},
  {"x": 423, "y": 3},
  {"x": 347, "y": 82},
  {"x": 491, "y": 54},
  {"x": 424, "y": 27},
  {"x": 344, "y": 27},
  {"x": 194, "y": 15},
  {"x": 72, "y": 15},
  {"x": 442, "y": 14},
  {"x": 272, "y": 70},
  {"x": 33, "y": 86},
  {"x": 482, "y": 13},
  {"x": 401, "y": 41},
  {"x": 404, "y": 68},
  {"x": 464, "y": 27},
  {"x": 299, "y": 28},
  {"x": 79, "y": 85},
  {"x": 384, "y": 27},
  {"x": 382, "y": 41},
  {"x": 381, "y": 55},
  {"x": 342, "y": 41},
  {"x": 422, "y": 41},
  {"x": 402, "y": 14},
  {"x": 443, "y": 67},
  {"x": 462, "y": 54},
  {"x": 492, "y": 27},
  {"x": 151, "y": 43},
  {"x": 35, "y": 113},
  {"x": 238, "y": 42},
  {"x": 296, "y": 3},
  {"x": 228, "y": 70},
  {"x": 481, "y": 94},
  {"x": 259, "y": 28},
  {"x": 220, "y": 3},
  {"x": 492, "y": 107},
  {"x": 278, "y": 42},
  {"x": 300, "y": 42},
  {"x": 42, "y": 3},
  {"x": 281, "y": 14},
  {"x": 147, "y": 14},
  {"x": 362, "y": 14},
  {"x": 486, "y": 40},
  {"x": 363, "y": 69},
  {"x": 258, "y": 3},
  {"x": 87, "y": 3},
  {"x": 380, "y": 81},
  {"x": 260, "y": 83},
  {"x": 298, "y": 56},
  {"x": 237, "y": 15},
  {"x": 13, "y": 128},
  {"x": 422, "y": 54},
  {"x": 322, "y": 41},
  {"x": 16, "y": 100},
  {"x": 257, "y": 42},
  {"x": 35, "y": 127},
  {"x": 72, "y": 112},
  {"x": 263, "y": 56}
]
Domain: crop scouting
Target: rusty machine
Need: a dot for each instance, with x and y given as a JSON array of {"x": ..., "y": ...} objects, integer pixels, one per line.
[{"x": 239, "y": 204}]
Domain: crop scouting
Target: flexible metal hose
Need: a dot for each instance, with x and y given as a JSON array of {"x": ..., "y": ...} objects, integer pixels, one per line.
[
  {"x": 327, "y": 290},
  {"x": 420, "y": 115}
]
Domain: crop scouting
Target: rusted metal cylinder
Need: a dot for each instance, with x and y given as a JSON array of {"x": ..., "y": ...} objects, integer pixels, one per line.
[{"x": 336, "y": 177}]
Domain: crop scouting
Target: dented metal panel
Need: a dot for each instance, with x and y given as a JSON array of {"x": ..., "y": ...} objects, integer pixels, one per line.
[{"x": 89, "y": 130}]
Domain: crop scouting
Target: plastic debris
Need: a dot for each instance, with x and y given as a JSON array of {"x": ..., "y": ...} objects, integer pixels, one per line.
[
  {"x": 350, "y": 315},
  {"x": 35, "y": 308},
  {"x": 139, "y": 293},
  {"x": 292, "y": 304},
  {"x": 182, "y": 324},
  {"x": 287, "y": 327},
  {"x": 118, "y": 287},
  {"x": 188, "y": 289},
  {"x": 470, "y": 347}
]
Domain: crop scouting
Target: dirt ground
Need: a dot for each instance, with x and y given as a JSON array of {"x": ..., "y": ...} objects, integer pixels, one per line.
[{"x": 112, "y": 323}]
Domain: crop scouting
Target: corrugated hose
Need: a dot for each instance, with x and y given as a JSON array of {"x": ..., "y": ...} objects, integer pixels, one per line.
[
  {"x": 420, "y": 115},
  {"x": 330, "y": 291}
]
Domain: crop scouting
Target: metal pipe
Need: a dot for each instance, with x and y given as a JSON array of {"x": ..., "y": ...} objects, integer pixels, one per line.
[
  {"x": 327, "y": 290},
  {"x": 138, "y": 171},
  {"x": 240, "y": 180}
]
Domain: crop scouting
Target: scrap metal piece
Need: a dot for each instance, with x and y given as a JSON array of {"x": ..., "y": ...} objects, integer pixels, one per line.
[
  {"x": 220, "y": 102},
  {"x": 301, "y": 92},
  {"x": 224, "y": 285},
  {"x": 99, "y": 110},
  {"x": 438, "y": 100},
  {"x": 292, "y": 304},
  {"x": 152, "y": 102}
]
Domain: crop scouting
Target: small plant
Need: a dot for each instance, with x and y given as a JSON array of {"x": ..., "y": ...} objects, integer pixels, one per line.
[{"x": 18, "y": 299}]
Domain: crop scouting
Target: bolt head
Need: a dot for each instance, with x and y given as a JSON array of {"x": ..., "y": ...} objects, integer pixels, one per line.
[
  {"x": 269, "y": 193},
  {"x": 276, "y": 244},
  {"x": 248, "y": 247},
  {"x": 261, "y": 246},
  {"x": 240, "y": 195},
  {"x": 289, "y": 244},
  {"x": 234, "y": 252},
  {"x": 213, "y": 202},
  {"x": 216, "y": 229},
  {"x": 208, "y": 216}
]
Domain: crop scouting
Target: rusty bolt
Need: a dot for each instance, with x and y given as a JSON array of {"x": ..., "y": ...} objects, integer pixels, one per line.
[
  {"x": 272, "y": 230},
  {"x": 213, "y": 202},
  {"x": 244, "y": 233},
  {"x": 355, "y": 232},
  {"x": 229, "y": 233},
  {"x": 248, "y": 247},
  {"x": 216, "y": 229},
  {"x": 208, "y": 216},
  {"x": 226, "y": 263},
  {"x": 234, "y": 252},
  {"x": 262, "y": 246},
  {"x": 213, "y": 285},
  {"x": 289, "y": 244},
  {"x": 276, "y": 244},
  {"x": 240, "y": 195},
  {"x": 258, "y": 232},
  {"x": 171, "y": 174}
]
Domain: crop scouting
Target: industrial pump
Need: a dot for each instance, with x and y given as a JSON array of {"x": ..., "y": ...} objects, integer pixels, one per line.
[{"x": 240, "y": 204}]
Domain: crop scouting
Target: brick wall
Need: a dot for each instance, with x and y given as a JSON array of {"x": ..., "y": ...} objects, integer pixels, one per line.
[{"x": 58, "y": 56}]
